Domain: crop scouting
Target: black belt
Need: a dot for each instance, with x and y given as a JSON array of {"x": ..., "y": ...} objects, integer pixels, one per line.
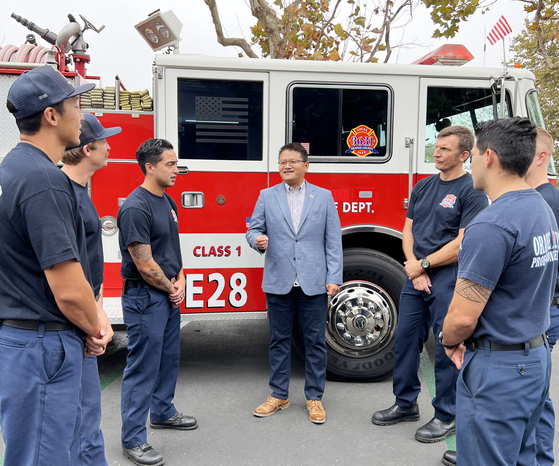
[
  {"x": 555, "y": 302},
  {"x": 34, "y": 325},
  {"x": 137, "y": 284},
  {"x": 127, "y": 283},
  {"x": 473, "y": 344}
]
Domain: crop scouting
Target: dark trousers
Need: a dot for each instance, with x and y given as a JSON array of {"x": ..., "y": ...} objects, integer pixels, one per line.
[
  {"x": 313, "y": 312},
  {"x": 500, "y": 397},
  {"x": 40, "y": 385},
  {"x": 152, "y": 364},
  {"x": 545, "y": 430},
  {"x": 92, "y": 444},
  {"x": 417, "y": 310}
]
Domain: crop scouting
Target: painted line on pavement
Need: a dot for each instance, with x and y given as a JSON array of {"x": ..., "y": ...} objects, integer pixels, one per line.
[{"x": 428, "y": 371}]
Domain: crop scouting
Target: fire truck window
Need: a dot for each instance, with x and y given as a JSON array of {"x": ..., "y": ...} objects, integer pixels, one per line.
[
  {"x": 220, "y": 120},
  {"x": 449, "y": 106},
  {"x": 341, "y": 125},
  {"x": 534, "y": 110}
]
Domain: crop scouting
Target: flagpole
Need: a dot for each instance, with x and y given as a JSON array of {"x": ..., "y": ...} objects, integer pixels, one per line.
[
  {"x": 504, "y": 57},
  {"x": 484, "y": 43}
]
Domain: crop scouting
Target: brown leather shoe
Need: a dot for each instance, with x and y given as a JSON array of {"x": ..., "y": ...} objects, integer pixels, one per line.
[
  {"x": 270, "y": 406},
  {"x": 316, "y": 411}
]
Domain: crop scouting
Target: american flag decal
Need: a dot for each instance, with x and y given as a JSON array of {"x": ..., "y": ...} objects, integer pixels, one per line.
[
  {"x": 222, "y": 119},
  {"x": 499, "y": 31}
]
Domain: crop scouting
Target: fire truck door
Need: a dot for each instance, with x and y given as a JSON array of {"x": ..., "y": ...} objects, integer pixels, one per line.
[
  {"x": 446, "y": 102},
  {"x": 218, "y": 125}
]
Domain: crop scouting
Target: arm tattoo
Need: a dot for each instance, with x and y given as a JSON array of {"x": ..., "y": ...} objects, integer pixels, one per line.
[
  {"x": 141, "y": 252},
  {"x": 159, "y": 277},
  {"x": 472, "y": 291}
]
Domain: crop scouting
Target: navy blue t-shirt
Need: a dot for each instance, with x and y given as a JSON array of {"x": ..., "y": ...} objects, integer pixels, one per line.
[
  {"x": 511, "y": 248},
  {"x": 439, "y": 209},
  {"x": 149, "y": 219},
  {"x": 551, "y": 195},
  {"x": 93, "y": 239},
  {"x": 40, "y": 226}
]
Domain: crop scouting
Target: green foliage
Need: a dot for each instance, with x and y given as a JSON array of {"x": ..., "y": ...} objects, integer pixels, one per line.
[
  {"x": 324, "y": 30},
  {"x": 448, "y": 14},
  {"x": 528, "y": 54}
]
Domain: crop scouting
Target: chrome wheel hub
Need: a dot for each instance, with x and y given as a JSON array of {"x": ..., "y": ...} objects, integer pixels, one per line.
[{"x": 361, "y": 319}]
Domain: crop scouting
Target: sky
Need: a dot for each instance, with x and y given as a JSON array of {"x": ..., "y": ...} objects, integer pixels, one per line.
[{"x": 119, "y": 48}]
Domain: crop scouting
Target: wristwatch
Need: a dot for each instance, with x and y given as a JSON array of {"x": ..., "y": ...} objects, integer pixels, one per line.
[
  {"x": 442, "y": 344},
  {"x": 425, "y": 264}
]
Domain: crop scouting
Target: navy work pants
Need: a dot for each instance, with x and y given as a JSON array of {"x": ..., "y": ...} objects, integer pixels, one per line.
[
  {"x": 152, "y": 364},
  {"x": 40, "y": 385},
  {"x": 313, "y": 312},
  {"x": 500, "y": 397},
  {"x": 92, "y": 444},
  {"x": 418, "y": 310},
  {"x": 545, "y": 429}
]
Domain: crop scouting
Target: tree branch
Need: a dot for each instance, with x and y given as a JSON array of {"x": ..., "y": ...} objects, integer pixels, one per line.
[
  {"x": 271, "y": 24},
  {"x": 227, "y": 41},
  {"x": 326, "y": 24},
  {"x": 541, "y": 44}
]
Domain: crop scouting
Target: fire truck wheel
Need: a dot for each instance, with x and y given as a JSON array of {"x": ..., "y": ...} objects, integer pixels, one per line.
[{"x": 362, "y": 317}]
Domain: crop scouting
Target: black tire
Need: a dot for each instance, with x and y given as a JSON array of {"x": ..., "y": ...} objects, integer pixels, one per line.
[
  {"x": 383, "y": 277},
  {"x": 362, "y": 318}
]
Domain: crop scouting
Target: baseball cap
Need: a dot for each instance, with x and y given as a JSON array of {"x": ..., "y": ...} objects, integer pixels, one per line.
[
  {"x": 92, "y": 130},
  {"x": 40, "y": 88}
]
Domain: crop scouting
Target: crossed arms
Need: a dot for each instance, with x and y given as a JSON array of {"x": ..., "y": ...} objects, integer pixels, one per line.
[{"x": 448, "y": 254}]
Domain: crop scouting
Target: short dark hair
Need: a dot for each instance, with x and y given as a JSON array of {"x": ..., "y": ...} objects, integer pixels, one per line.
[
  {"x": 298, "y": 148},
  {"x": 465, "y": 137},
  {"x": 513, "y": 140},
  {"x": 32, "y": 124},
  {"x": 151, "y": 152}
]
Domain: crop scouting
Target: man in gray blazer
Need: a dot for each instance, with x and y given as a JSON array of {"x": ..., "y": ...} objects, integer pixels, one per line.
[{"x": 297, "y": 225}]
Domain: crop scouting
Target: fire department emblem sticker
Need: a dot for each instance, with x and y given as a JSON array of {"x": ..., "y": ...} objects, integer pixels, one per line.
[
  {"x": 449, "y": 201},
  {"x": 362, "y": 141},
  {"x": 174, "y": 215}
]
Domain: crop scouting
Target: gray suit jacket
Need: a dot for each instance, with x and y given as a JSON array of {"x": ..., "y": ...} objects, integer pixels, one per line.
[{"x": 313, "y": 254}]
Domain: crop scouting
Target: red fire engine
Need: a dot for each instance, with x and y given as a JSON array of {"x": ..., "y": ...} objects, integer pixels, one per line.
[{"x": 370, "y": 131}]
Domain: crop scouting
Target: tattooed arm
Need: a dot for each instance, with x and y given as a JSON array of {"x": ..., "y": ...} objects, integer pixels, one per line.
[
  {"x": 467, "y": 305},
  {"x": 148, "y": 268}
]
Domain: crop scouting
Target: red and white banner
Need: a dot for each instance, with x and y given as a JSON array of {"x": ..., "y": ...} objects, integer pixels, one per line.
[{"x": 499, "y": 31}]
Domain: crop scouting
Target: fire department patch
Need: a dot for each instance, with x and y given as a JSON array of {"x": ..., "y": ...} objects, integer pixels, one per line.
[
  {"x": 174, "y": 215},
  {"x": 449, "y": 201},
  {"x": 362, "y": 141}
]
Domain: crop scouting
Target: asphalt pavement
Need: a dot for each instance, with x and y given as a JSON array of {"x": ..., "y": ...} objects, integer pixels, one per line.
[{"x": 224, "y": 375}]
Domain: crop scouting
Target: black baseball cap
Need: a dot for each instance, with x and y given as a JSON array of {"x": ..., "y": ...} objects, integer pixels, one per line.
[
  {"x": 92, "y": 130},
  {"x": 40, "y": 88}
]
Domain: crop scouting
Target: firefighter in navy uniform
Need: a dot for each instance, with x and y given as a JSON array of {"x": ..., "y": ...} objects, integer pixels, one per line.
[
  {"x": 500, "y": 309},
  {"x": 440, "y": 208},
  {"x": 537, "y": 179},
  {"x": 154, "y": 287},
  {"x": 46, "y": 302},
  {"x": 80, "y": 163}
]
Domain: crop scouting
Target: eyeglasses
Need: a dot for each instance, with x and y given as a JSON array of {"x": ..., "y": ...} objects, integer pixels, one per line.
[{"x": 283, "y": 163}]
